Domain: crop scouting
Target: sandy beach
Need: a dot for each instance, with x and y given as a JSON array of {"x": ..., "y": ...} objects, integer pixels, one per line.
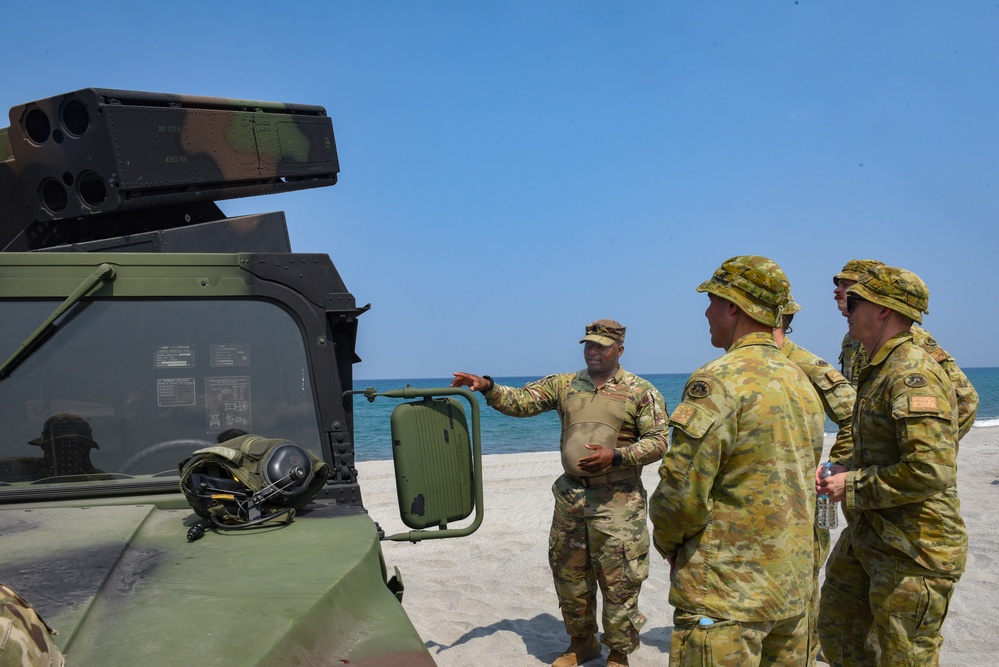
[{"x": 488, "y": 598}]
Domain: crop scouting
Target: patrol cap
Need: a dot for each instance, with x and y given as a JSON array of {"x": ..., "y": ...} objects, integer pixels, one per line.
[
  {"x": 902, "y": 291},
  {"x": 853, "y": 269},
  {"x": 756, "y": 284},
  {"x": 65, "y": 425},
  {"x": 604, "y": 332}
]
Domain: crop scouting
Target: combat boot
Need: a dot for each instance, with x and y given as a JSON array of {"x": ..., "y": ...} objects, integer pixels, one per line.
[
  {"x": 617, "y": 659},
  {"x": 580, "y": 650}
]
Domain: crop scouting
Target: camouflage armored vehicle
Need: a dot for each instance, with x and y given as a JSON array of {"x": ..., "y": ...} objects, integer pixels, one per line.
[{"x": 141, "y": 326}]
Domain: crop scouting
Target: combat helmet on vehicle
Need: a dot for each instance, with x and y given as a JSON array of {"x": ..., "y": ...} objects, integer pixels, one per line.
[{"x": 141, "y": 326}]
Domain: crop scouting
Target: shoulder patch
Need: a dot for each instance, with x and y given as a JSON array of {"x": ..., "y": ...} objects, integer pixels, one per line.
[
  {"x": 682, "y": 414},
  {"x": 931, "y": 341},
  {"x": 938, "y": 354},
  {"x": 915, "y": 380},
  {"x": 923, "y": 403},
  {"x": 821, "y": 362},
  {"x": 698, "y": 389}
]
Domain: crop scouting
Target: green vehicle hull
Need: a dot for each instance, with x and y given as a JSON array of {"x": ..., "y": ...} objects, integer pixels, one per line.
[
  {"x": 142, "y": 326},
  {"x": 125, "y": 587}
]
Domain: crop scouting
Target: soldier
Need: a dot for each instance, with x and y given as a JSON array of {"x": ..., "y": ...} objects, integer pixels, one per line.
[
  {"x": 735, "y": 506},
  {"x": 65, "y": 442},
  {"x": 613, "y": 423},
  {"x": 842, "y": 282},
  {"x": 25, "y": 639},
  {"x": 838, "y": 396},
  {"x": 854, "y": 357},
  {"x": 894, "y": 567}
]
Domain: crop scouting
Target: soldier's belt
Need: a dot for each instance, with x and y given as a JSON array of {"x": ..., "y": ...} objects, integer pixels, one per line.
[{"x": 601, "y": 480}]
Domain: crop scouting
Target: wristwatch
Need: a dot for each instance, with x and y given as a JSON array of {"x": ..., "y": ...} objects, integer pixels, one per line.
[{"x": 618, "y": 458}]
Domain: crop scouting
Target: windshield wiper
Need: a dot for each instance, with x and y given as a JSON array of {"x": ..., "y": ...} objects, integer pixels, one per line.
[{"x": 101, "y": 274}]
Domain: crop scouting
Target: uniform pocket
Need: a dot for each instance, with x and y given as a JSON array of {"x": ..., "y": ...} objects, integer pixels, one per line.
[
  {"x": 919, "y": 605},
  {"x": 706, "y": 645},
  {"x": 636, "y": 553}
]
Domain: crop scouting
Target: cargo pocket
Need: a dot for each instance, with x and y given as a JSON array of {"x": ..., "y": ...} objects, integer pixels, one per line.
[
  {"x": 919, "y": 605},
  {"x": 706, "y": 645},
  {"x": 636, "y": 553}
]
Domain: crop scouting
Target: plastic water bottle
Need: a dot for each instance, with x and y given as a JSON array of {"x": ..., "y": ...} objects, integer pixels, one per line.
[{"x": 825, "y": 510}]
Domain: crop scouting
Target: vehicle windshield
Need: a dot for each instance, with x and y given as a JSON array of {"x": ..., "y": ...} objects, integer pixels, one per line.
[{"x": 125, "y": 389}]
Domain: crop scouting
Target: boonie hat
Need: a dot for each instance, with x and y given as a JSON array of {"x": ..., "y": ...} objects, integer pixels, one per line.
[
  {"x": 792, "y": 306},
  {"x": 756, "y": 284},
  {"x": 853, "y": 269},
  {"x": 65, "y": 425},
  {"x": 604, "y": 332},
  {"x": 902, "y": 291}
]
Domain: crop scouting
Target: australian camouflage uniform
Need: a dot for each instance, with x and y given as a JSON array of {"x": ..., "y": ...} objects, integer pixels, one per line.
[
  {"x": 894, "y": 567},
  {"x": 736, "y": 500},
  {"x": 25, "y": 639},
  {"x": 835, "y": 391},
  {"x": 838, "y": 397},
  {"x": 907, "y": 527},
  {"x": 734, "y": 509},
  {"x": 599, "y": 534},
  {"x": 854, "y": 358}
]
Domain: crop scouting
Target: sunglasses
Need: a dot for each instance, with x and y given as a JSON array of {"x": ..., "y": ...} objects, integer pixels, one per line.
[{"x": 851, "y": 302}]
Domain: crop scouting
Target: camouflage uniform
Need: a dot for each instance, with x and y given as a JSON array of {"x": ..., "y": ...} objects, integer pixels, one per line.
[
  {"x": 967, "y": 397},
  {"x": 895, "y": 565},
  {"x": 838, "y": 396},
  {"x": 599, "y": 530},
  {"x": 848, "y": 358},
  {"x": 735, "y": 505},
  {"x": 853, "y": 358},
  {"x": 25, "y": 639},
  {"x": 835, "y": 391}
]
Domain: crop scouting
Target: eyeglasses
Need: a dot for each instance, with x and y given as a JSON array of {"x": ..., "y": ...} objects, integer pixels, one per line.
[{"x": 851, "y": 302}]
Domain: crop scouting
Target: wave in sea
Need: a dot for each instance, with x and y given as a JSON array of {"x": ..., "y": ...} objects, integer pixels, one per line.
[{"x": 985, "y": 423}]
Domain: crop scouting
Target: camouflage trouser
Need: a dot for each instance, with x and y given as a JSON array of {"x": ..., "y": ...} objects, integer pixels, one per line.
[
  {"x": 878, "y": 606},
  {"x": 25, "y": 639},
  {"x": 738, "y": 643},
  {"x": 819, "y": 553},
  {"x": 600, "y": 535}
]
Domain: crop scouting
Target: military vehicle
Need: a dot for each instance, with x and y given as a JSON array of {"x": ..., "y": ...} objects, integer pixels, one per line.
[{"x": 140, "y": 325}]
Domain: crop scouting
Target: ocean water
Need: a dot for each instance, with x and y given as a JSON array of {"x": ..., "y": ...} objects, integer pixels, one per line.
[{"x": 510, "y": 435}]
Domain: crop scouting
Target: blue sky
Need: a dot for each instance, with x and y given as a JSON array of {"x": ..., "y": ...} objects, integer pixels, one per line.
[{"x": 513, "y": 170}]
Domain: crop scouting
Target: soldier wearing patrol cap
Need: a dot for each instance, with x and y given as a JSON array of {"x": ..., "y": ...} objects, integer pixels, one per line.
[
  {"x": 854, "y": 357},
  {"x": 735, "y": 506},
  {"x": 613, "y": 424},
  {"x": 895, "y": 565}
]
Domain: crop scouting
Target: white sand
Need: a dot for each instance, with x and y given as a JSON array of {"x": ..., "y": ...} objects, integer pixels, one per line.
[{"x": 487, "y": 599}]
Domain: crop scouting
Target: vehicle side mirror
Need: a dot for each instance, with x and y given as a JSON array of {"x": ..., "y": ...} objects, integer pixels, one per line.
[
  {"x": 432, "y": 452},
  {"x": 437, "y": 466}
]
